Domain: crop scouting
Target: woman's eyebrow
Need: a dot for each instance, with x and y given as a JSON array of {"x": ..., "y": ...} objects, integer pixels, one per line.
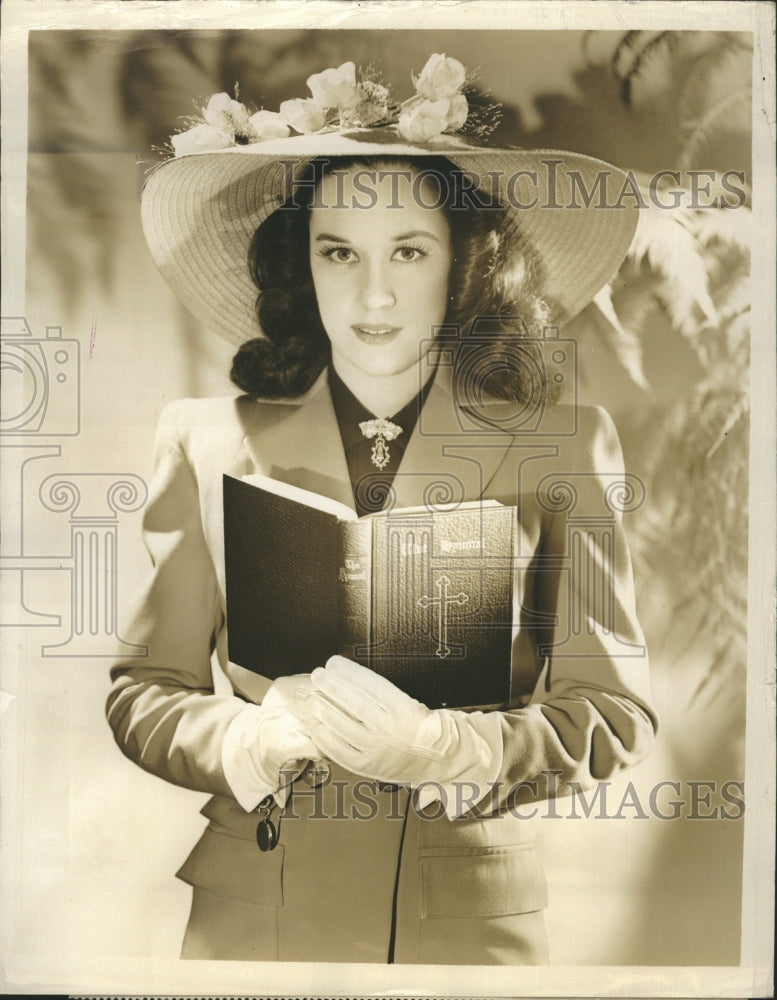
[{"x": 414, "y": 234}]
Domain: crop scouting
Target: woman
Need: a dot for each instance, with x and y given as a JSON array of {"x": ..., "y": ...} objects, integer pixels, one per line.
[{"x": 376, "y": 263}]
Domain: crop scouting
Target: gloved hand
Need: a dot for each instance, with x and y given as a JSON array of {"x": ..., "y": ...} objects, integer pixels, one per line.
[
  {"x": 365, "y": 723},
  {"x": 266, "y": 746}
]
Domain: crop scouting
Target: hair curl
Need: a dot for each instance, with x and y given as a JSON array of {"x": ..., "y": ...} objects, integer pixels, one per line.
[{"x": 494, "y": 293}]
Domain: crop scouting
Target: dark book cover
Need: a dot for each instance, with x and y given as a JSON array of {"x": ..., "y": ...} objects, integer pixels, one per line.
[{"x": 422, "y": 597}]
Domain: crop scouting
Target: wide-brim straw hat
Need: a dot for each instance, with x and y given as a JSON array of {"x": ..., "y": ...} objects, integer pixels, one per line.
[{"x": 200, "y": 212}]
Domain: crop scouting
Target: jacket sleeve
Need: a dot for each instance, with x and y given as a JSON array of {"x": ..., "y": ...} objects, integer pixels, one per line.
[
  {"x": 162, "y": 707},
  {"x": 590, "y": 714}
]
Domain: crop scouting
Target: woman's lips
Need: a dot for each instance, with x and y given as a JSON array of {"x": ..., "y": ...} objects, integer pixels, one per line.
[{"x": 374, "y": 333}]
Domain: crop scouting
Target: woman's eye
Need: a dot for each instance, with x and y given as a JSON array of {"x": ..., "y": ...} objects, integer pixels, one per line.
[
  {"x": 341, "y": 255},
  {"x": 410, "y": 253},
  {"x": 346, "y": 255}
]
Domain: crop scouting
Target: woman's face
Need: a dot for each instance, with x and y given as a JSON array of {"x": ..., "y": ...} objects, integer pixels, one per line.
[{"x": 380, "y": 272}]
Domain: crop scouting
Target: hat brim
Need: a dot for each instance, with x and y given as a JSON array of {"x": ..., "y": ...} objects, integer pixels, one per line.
[{"x": 200, "y": 212}]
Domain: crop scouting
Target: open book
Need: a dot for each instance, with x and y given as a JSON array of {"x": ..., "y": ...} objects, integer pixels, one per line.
[{"x": 422, "y": 597}]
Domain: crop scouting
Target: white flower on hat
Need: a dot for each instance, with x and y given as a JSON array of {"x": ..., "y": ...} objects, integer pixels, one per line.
[
  {"x": 303, "y": 114},
  {"x": 429, "y": 119},
  {"x": 268, "y": 125},
  {"x": 457, "y": 114},
  {"x": 442, "y": 76},
  {"x": 201, "y": 138},
  {"x": 425, "y": 121},
  {"x": 227, "y": 123},
  {"x": 226, "y": 115},
  {"x": 336, "y": 88}
]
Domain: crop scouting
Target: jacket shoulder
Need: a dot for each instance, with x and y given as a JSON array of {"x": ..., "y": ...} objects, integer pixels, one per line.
[
  {"x": 216, "y": 427},
  {"x": 571, "y": 427},
  {"x": 571, "y": 441},
  {"x": 202, "y": 412},
  {"x": 594, "y": 444},
  {"x": 223, "y": 414}
]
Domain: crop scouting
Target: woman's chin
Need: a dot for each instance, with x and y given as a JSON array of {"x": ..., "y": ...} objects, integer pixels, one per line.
[
  {"x": 385, "y": 368},
  {"x": 374, "y": 360}
]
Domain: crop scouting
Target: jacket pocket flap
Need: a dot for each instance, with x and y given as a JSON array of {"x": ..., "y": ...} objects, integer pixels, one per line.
[
  {"x": 489, "y": 883},
  {"x": 235, "y": 868}
]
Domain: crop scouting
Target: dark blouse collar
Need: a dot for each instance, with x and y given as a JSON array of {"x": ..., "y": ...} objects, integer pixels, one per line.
[{"x": 350, "y": 412}]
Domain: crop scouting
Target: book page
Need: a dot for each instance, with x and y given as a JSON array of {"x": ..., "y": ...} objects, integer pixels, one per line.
[
  {"x": 299, "y": 495},
  {"x": 438, "y": 508}
]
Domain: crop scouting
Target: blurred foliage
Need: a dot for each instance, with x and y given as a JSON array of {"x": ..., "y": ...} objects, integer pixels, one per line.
[
  {"x": 703, "y": 76},
  {"x": 689, "y": 269}
]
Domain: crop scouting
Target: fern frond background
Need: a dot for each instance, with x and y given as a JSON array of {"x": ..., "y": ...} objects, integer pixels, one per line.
[{"x": 696, "y": 459}]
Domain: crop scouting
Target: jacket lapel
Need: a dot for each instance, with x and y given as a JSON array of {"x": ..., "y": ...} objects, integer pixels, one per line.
[
  {"x": 443, "y": 462},
  {"x": 302, "y": 445}
]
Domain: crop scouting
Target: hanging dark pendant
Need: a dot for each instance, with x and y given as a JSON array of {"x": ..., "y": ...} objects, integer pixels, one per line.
[{"x": 266, "y": 833}]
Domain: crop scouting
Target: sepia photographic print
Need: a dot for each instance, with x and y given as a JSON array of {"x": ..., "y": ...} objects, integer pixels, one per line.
[{"x": 388, "y": 499}]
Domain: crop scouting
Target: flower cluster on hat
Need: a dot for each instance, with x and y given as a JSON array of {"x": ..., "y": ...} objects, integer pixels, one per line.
[
  {"x": 439, "y": 105},
  {"x": 228, "y": 123},
  {"x": 338, "y": 101}
]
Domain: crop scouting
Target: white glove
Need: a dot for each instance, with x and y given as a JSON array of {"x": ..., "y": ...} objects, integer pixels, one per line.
[
  {"x": 266, "y": 746},
  {"x": 366, "y": 724}
]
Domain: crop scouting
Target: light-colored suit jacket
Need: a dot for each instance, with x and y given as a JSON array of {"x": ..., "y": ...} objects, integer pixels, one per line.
[{"x": 357, "y": 873}]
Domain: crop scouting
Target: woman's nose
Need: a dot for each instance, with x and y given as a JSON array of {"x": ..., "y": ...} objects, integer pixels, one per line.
[{"x": 378, "y": 291}]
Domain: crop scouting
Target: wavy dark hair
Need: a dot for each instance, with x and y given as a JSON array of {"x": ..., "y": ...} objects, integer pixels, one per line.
[{"x": 495, "y": 309}]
